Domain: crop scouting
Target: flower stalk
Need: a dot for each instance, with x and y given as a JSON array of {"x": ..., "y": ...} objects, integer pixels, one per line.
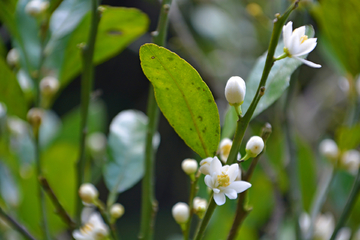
[{"x": 193, "y": 190}]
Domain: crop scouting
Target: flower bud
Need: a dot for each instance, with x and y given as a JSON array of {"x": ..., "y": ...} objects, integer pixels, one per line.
[
  {"x": 329, "y": 149},
  {"x": 117, "y": 210},
  {"x": 180, "y": 212},
  {"x": 36, "y": 7},
  {"x": 199, "y": 206},
  {"x": 254, "y": 146},
  {"x": 49, "y": 86},
  {"x": 205, "y": 166},
  {"x": 189, "y": 166},
  {"x": 35, "y": 116},
  {"x": 235, "y": 90},
  {"x": 350, "y": 160},
  {"x": 88, "y": 193},
  {"x": 13, "y": 58},
  {"x": 96, "y": 143},
  {"x": 224, "y": 148}
]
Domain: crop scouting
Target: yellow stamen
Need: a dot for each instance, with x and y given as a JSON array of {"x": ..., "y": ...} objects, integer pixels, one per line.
[
  {"x": 224, "y": 180},
  {"x": 86, "y": 228},
  {"x": 303, "y": 39}
]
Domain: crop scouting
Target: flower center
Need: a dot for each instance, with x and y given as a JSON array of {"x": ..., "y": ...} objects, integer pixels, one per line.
[
  {"x": 303, "y": 38},
  {"x": 223, "y": 180},
  {"x": 86, "y": 228}
]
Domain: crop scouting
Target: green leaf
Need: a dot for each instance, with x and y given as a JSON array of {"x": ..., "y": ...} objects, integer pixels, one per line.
[
  {"x": 348, "y": 137},
  {"x": 126, "y": 148},
  {"x": 340, "y": 24},
  {"x": 10, "y": 92},
  {"x": 183, "y": 97},
  {"x": 118, "y": 27}
]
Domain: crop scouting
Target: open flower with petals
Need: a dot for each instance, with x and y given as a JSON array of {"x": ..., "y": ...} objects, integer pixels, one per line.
[
  {"x": 93, "y": 229},
  {"x": 222, "y": 181},
  {"x": 297, "y": 44}
]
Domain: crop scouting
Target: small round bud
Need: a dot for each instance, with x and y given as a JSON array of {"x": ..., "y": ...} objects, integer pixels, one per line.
[
  {"x": 254, "y": 146},
  {"x": 88, "y": 193},
  {"x": 189, "y": 166},
  {"x": 180, "y": 212},
  {"x": 49, "y": 86},
  {"x": 350, "y": 160},
  {"x": 329, "y": 149},
  {"x": 224, "y": 148},
  {"x": 35, "y": 116},
  {"x": 96, "y": 143},
  {"x": 235, "y": 90},
  {"x": 205, "y": 166},
  {"x": 36, "y": 7},
  {"x": 199, "y": 206},
  {"x": 13, "y": 58},
  {"x": 117, "y": 210}
]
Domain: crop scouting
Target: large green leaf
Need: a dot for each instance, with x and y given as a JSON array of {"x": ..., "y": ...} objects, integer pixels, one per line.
[
  {"x": 340, "y": 23},
  {"x": 126, "y": 148},
  {"x": 118, "y": 27},
  {"x": 348, "y": 137},
  {"x": 10, "y": 92},
  {"x": 183, "y": 97}
]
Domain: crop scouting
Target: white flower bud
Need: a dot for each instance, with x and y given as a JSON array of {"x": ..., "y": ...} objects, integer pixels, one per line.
[
  {"x": 329, "y": 149},
  {"x": 88, "y": 193},
  {"x": 199, "y": 205},
  {"x": 180, "y": 212},
  {"x": 117, "y": 210},
  {"x": 205, "y": 165},
  {"x": 49, "y": 86},
  {"x": 189, "y": 166},
  {"x": 13, "y": 57},
  {"x": 235, "y": 90},
  {"x": 224, "y": 148},
  {"x": 350, "y": 160},
  {"x": 324, "y": 226},
  {"x": 254, "y": 146},
  {"x": 96, "y": 143},
  {"x": 36, "y": 7},
  {"x": 35, "y": 116}
]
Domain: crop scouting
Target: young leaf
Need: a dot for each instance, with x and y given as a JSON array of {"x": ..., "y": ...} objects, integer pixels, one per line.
[
  {"x": 126, "y": 148},
  {"x": 183, "y": 97}
]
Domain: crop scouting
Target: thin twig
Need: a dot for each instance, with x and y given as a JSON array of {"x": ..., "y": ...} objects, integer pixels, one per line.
[
  {"x": 193, "y": 191},
  {"x": 16, "y": 225}
]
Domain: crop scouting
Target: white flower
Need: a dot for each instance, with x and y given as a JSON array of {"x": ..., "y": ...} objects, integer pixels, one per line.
[
  {"x": 36, "y": 7},
  {"x": 93, "y": 229},
  {"x": 297, "y": 44},
  {"x": 350, "y": 160},
  {"x": 88, "y": 193},
  {"x": 189, "y": 166},
  {"x": 343, "y": 234},
  {"x": 49, "y": 86},
  {"x": 117, "y": 210},
  {"x": 324, "y": 226},
  {"x": 254, "y": 146},
  {"x": 329, "y": 149},
  {"x": 235, "y": 90},
  {"x": 222, "y": 181},
  {"x": 13, "y": 57},
  {"x": 180, "y": 212},
  {"x": 224, "y": 148}
]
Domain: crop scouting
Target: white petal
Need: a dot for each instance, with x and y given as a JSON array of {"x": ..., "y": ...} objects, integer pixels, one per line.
[
  {"x": 78, "y": 236},
  {"x": 239, "y": 186},
  {"x": 287, "y": 31},
  {"x": 233, "y": 171},
  {"x": 216, "y": 190},
  {"x": 209, "y": 181},
  {"x": 215, "y": 166},
  {"x": 230, "y": 193},
  {"x": 310, "y": 64},
  {"x": 306, "y": 47},
  {"x": 219, "y": 198},
  {"x": 295, "y": 40}
]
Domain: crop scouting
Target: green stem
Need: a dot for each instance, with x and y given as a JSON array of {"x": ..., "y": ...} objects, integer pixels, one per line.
[
  {"x": 349, "y": 205},
  {"x": 193, "y": 191},
  {"x": 16, "y": 225},
  {"x": 205, "y": 221},
  {"x": 149, "y": 203},
  {"x": 320, "y": 198},
  {"x": 86, "y": 88}
]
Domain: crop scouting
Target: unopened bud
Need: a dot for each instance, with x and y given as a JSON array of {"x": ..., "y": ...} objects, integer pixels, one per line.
[
  {"x": 180, "y": 212},
  {"x": 189, "y": 166},
  {"x": 199, "y": 206},
  {"x": 88, "y": 193},
  {"x": 254, "y": 146},
  {"x": 329, "y": 149},
  {"x": 36, "y": 7},
  {"x": 35, "y": 116},
  {"x": 205, "y": 166},
  {"x": 235, "y": 90},
  {"x": 117, "y": 210},
  {"x": 96, "y": 143},
  {"x": 49, "y": 86},
  {"x": 224, "y": 148},
  {"x": 350, "y": 160},
  {"x": 13, "y": 58}
]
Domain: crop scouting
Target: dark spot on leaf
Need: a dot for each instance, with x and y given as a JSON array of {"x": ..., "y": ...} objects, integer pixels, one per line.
[
  {"x": 198, "y": 88},
  {"x": 209, "y": 101},
  {"x": 204, "y": 89},
  {"x": 190, "y": 129},
  {"x": 115, "y": 32},
  {"x": 152, "y": 57},
  {"x": 167, "y": 88},
  {"x": 170, "y": 58},
  {"x": 192, "y": 83},
  {"x": 200, "y": 118},
  {"x": 204, "y": 130}
]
